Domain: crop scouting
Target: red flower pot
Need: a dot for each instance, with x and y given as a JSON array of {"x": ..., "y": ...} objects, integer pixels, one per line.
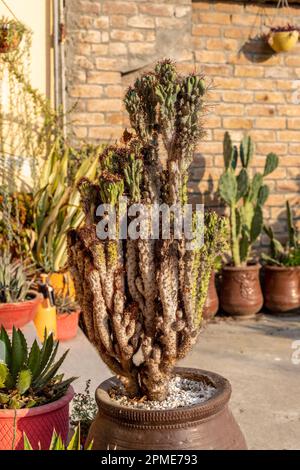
[
  {"x": 37, "y": 423},
  {"x": 20, "y": 313},
  {"x": 67, "y": 325}
]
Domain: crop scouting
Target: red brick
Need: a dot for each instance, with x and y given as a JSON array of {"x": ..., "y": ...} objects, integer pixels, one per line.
[
  {"x": 237, "y": 123},
  {"x": 114, "y": 91},
  {"x": 115, "y": 7},
  {"x": 289, "y": 136},
  {"x": 107, "y": 63},
  {"x": 89, "y": 7},
  {"x": 245, "y": 20},
  {"x": 270, "y": 123},
  {"x": 105, "y": 133},
  {"x": 168, "y": 23},
  {"x": 141, "y": 48},
  {"x": 279, "y": 148},
  {"x": 269, "y": 97},
  {"x": 102, "y": 22},
  {"x": 230, "y": 109},
  {"x": 238, "y": 96},
  {"x": 220, "y": 44},
  {"x": 100, "y": 49},
  {"x": 215, "y": 18},
  {"x": 117, "y": 48},
  {"x": 156, "y": 9},
  {"x": 237, "y": 33},
  {"x": 202, "y": 30},
  {"x": 211, "y": 57},
  {"x": 118, "y": 21},
  {"x": 83, "y": 62},
  {"x": 260, "y": 110},
  {"x": 80, "y": 132},
  {"x": 227, "y": 83},
  {"x": 141, "y": 21},
  {"x": 294, "y": 124},
  {"x": 258, "y": 84},
  {"x": 88, "y": 119},
  {"x": 114, "y": 119}
]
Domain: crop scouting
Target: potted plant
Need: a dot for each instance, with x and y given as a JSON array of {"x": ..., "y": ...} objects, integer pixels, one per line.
[
  {"x": 67, "y": 316},
  {"x": 145, "y": 295},
  {"x": 282, "y": 270},
  {"x": 283, "y": 38},
  {"x": 18, "y": 302},
  {"x": 240, "y": 292},
  {"x": 33, "y": 399},
  {"x": 11, "y": 33},
  {"x": 56, "y": 209}
]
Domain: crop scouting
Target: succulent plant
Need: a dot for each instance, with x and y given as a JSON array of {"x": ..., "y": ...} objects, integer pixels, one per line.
[
  {"x": 64, "y": 303},
  {"x": 146, "y": 295},
  {"x": 14, "y": 280},
  {"x": 29, "y": 378},
  {"x": 58, "y": 444},
  {"x": 245, "y": 196},
  {"x": 280, "y": 255}
]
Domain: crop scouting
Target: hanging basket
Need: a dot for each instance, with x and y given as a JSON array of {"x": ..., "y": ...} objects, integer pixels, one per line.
[
  {"x": 283, "y": 41},
  {"x": 10, "y": 37}
]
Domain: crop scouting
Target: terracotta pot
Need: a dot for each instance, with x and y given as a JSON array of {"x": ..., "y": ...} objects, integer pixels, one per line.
[
  {"x": 241, "y": 292},
  {"x": 62, "y": 282},
  {"x": 20, "y": 313},
  {"x": 211, "y": 305},
  {"x": 38, "y": 424},
  {"x": 204, "y": 426},
  {"x": 9, "y": 45},
  {"x": 282, "y": 288},
  {"x": 67, "y": 325},
  {"x": 283, "y": 41}
]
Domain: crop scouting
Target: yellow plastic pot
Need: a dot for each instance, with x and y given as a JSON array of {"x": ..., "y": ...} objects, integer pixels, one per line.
[
  {"x": 63, "y": 283},
  {"x": 283, "y": 41}
]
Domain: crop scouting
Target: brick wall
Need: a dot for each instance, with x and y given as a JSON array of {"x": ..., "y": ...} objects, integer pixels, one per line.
[{"x": 253, "y": 91}]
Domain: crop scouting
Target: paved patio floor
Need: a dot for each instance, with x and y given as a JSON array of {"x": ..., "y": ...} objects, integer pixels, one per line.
[{"x": 255, "y": 355}]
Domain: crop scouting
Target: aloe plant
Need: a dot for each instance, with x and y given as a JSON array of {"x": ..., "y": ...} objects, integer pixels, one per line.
[
  {"x": 58, "y": 444},
  {"x": 29, "y": 378},
  {"x": 57, "y": 204},
  {"x": 245, "y": 196},
  {"x": 14, "y": 281},
  {"x": 280, "y": 255},
  {"x": 65, "y": 304}
]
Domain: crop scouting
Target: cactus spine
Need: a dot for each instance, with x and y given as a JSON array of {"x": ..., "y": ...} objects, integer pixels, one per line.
[
  {"x": 146, "y": 295},
  {"x": 244, "y": 196}
]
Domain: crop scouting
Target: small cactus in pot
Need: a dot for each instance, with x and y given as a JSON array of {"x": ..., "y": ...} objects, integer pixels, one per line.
[{"x": 245, "y": 197}]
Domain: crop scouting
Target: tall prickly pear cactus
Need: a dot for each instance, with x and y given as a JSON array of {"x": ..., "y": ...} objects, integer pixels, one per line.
[
  {"x": 245, "y": 196},
  {"x": 146, "y": 295}
]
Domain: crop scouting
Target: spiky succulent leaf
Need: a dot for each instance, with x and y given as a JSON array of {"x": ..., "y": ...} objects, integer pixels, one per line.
[
  {"x": 74, "y": 443},
  {"x": 291, "y": 227},
  {"x": 4, "y": 371},
  {"x": 244, "y": 244},
  {"x": 227, "y": 150},
  {"x": 255, "y": 187},
  {"x": 24, "y": 381},
  {"x": 263, "y": 194},
  {"x": 34, "y": 360},
  {"x": 19, "y": 352},
  {"x": 46, "y": 350},
  {"x": 246, "y": 151},
  {"x": 5, "y": 347},
  {"x": 228, "y": 187},
  {"x": 43, "y": 380},
  {"x": 257, "y": 224},
  {"x": 4, "y": 398},
  {"x": 27, "y": 445},
  {"x": 242, "y": 183},
  {"x": 271, "y": 163}
]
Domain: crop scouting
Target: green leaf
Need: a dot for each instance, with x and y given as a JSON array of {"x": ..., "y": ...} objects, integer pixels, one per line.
[
  {"x": 45, "y": 378},
  {"x": 75, "y": 441},
  {"x": 228, "y": 187},
  {"x": 257, "y": 224},
  {"x": 263, "y": 194},
  {"x": 34, "y": 360},
  {"x": 255, "y": 187},
  {"x": 46, "y": 351},
  {"x": 4, "y": 371},
  {"x": 242, "y": 183},
  {"x": 244, "y": 245},
  {"x": 19, "y": 353},
  {"x": 4, "y": 398},
  {"x": 271, "y": 163},
  {"x": 246, "y": 151},
  {"x": 5, "y": 347},
  {"x": 24, "y": 381},
  {"x": 227, "y": 150},
  {"x": 27, "y": 445}
]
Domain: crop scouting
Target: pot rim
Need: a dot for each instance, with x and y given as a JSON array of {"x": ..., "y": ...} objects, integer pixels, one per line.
[
  {"x": 39, "y": 410},
  {"x": 37, "y": 297},
  {"x": 250, "y": 267},
  {"x": 188, "y": 413},
  {"x": 273, "y": 267},
  {"x": 64, "y": 315}
]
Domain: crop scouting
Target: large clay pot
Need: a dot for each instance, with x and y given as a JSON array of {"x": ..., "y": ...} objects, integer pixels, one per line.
[
  {"x": 282, "y": 288},
  {"x": 67, "y": 325},
  {"x": 20, "y": 313},
  {"x": 208, "y": 426},
  {"x": 37, "y": 423},
  {"x": 211, "y": 305},
  {"x": 241, "y": 292}
]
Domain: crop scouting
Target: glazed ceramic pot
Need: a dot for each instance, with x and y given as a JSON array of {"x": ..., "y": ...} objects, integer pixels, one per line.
[
  {"x": 208, "y": 425},
  {"x": 67, "y": 325},
  {"x": 211, "y": 305},
  {"x": 37, "y": 423},
  {"x": 20, "y": 313},
  {"x": 282, "y": 288},
  {"x": 241, "y": 292}
]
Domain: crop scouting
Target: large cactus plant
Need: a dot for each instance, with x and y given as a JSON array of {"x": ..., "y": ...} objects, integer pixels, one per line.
[
  {"x": 146, "y": 296},
  {"x": 244, "y": 195}
]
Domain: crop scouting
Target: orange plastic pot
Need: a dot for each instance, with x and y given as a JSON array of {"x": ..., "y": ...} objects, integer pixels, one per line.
[
  {"x": 62, "y": 282},
  {"x": 20, "y": 313},
  {"x": 37, "y": 423},
  {"x": 67, "y": 325}
]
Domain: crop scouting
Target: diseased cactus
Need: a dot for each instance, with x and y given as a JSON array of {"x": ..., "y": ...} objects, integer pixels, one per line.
[
  {"x": 245, "y": 196},
  {"x": 146, "y": 296},
  {"x": 290, "y": 254}
]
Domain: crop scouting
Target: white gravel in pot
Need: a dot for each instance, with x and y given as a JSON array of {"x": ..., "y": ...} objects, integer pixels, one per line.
[{"x": 182, "y": 392}]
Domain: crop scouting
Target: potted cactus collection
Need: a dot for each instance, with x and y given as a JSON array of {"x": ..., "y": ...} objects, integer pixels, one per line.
[
  {"x": 282, "y": 269},
  {"x": 146, "y": 295},
  {"x": 18, "y": 301},
  {"x": 244, "y": 196},
  {"x": 34, "y": 399}
]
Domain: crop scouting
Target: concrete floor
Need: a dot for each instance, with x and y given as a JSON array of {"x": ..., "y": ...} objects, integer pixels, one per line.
[{"x": 255, "y": 355}]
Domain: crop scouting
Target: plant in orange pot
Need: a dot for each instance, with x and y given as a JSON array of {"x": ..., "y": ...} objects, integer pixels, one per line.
[
  {"x": 240, "y": 292},
  {"x": 18, "y": 302},
  {"x": 67, "y": 317},
  {"x": 34, "y": 398}
]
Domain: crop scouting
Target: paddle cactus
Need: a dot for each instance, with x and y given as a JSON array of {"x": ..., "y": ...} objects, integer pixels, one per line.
[
  {"x": 146, "y": 295},
  {"x": 244, "y": 195}
]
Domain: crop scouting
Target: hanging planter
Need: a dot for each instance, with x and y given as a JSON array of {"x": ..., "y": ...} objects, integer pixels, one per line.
[
  {"x": 11, "y": 33},
  {"x": 283, "y": 38}
]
